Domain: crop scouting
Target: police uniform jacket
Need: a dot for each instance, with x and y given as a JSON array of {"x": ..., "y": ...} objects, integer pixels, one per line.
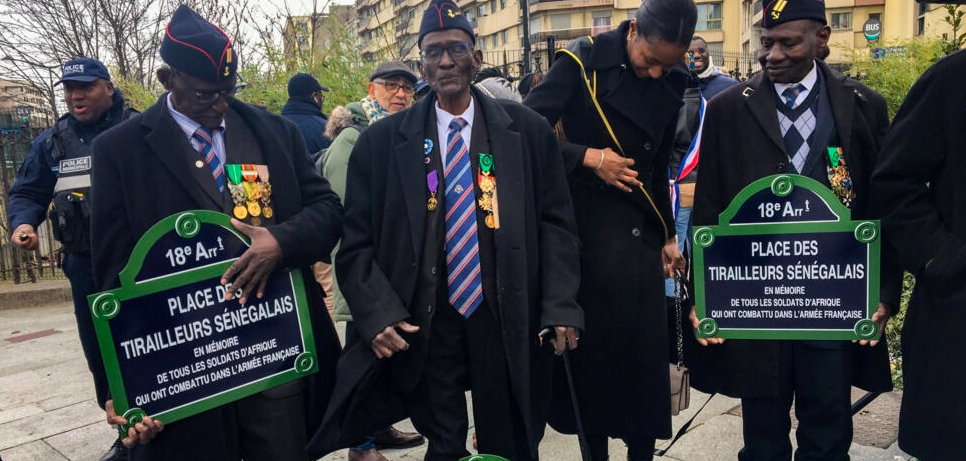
[
  {"x": 34, "y": 188},
  {"x": 142, "y": 175},
  {"x": 742, "y": 142},
  {"x": 920, "y": 186},
  {"x": 530, "y": 282}
]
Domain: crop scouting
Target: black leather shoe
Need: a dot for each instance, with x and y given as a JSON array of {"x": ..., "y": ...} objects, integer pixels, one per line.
[
  {"x": 397, "y": 439},
  {"x": 118, "y": 452}
]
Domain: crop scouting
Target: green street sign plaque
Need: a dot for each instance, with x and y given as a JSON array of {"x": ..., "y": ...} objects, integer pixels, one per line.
[
  {"x": 786, "y": 261},
  {"x": 174, "y": 347}
]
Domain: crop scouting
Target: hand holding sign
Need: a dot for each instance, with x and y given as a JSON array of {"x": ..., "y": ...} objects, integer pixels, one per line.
[
  {"x": 140, "y": 433},
  {"x": 251, "y": 270},
  {"x": 880, "y": 317}
]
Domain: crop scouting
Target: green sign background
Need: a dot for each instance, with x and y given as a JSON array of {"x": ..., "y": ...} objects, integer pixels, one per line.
[
  {"x": 866, "y": 232},
  {"x": 107, "y": 305}
]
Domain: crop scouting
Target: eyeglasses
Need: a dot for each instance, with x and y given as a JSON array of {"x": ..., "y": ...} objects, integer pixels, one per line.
[
  {"x": 458, "y": 50},
  {"x": 393, "y": 87},
  {"x": 698, "y": 51},
  {"x": 209, "y": 97}
]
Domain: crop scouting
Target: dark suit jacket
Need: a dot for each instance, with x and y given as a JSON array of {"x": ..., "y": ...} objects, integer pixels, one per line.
[
  {"x": 921, "y": 190},
  {"x": 380, "y": 258},
  {"x": 729, "y": 162},
  {"x": 142, "y": 176}
]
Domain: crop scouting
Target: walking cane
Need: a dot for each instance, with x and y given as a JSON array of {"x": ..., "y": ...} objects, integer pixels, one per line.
[{"x": 581, "y": 435}]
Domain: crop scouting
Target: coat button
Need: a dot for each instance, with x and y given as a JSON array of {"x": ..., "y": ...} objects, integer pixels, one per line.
[
  {"x": 647, "y": 146},
  {"x": 414, "y": 264},
  {"x": 433, "y": 270},
  {"x": 636, "y": 232},
  {"x": 781, "y": 168},
  {"x": 429, "y": 309}
]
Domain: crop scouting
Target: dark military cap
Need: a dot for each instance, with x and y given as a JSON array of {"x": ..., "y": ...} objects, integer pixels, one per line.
[
  {"x": 775, "y": 12},
  {"x": 198, "y": 48},
  {"x": 442, "y": 15}
]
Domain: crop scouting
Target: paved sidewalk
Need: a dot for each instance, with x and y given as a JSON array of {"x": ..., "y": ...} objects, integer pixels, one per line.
[{"x": 47, "y": 411}]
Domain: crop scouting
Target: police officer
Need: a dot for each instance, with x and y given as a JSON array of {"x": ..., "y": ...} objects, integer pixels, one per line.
[{"x": 58, "y": 169}]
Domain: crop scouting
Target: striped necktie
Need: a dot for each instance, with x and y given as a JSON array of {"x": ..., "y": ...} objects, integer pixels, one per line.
[
  {"x": 207, "y": 150},
  {"x": 462, "y": 244},
  {"x": 791, "y": 95}
]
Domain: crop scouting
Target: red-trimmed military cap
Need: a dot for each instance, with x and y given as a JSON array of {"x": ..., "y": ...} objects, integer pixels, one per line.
[{"x": 197, "y": 47}]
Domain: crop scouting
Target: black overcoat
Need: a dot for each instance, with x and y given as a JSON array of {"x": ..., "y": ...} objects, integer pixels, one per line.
[
  {"x": 141, "y": 178},
  {"x": 621, "y": 367},
  {"x": 742, "y": 142},
  {"x": 922, "y": 192},
  {"x": 536, "y": 257}
]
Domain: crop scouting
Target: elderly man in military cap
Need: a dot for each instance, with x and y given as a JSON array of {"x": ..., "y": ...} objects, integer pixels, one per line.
[
  {"x": 460, "y": 247},
  {"x": 789, "y": 116},
  {"x": 173, "y": 158}
]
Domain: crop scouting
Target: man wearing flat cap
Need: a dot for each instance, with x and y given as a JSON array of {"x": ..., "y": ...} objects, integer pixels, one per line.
[
  {"x": 390, "y": 90},
  {"x": 791, "y": 115},
  {"x": 179, "y": 155},
  {"x": 460, "y": 247},
  {"x": 304, "y": 108},
  {"x": 58, "y": 169}
]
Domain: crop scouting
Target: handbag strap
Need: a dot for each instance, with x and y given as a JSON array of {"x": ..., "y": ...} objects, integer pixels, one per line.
[
  {"x": 591, "y": 83},
  {"x": 680, "y": 291},
  {"x": 680, "y": 433}
]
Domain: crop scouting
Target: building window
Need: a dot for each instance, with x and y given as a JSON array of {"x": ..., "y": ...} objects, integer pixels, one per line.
[
  {"x": 601, "y": 22},
  {"x": 840, "y": 20},
  {"x": 503, "y": 36},
  {"x": 560, "y": 21},
  {"x": 535, "y": 26},
  {"x": 481, "y": 10},
  {"x": 493, "y": 41},
  {"x": 502, "y": 4},
  {"x": 709, "y": 16},
  {"x": 492, "y": 6},
  {"x": 876, "y": 16}
]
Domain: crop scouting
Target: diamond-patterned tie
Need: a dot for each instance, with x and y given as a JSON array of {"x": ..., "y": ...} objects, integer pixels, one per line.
[
  {"x": 791, "y": 94},
  {"x": 462, "y": 244},
  {"x": 207, "y": 151}
]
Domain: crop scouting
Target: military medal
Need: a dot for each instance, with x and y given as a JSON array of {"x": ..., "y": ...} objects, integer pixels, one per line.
[
  {"x": 240, "y": 212},
  {"x": 265, "y": 191},
  {"x": 839, "y": 177},
  {"x": 487, "y": 181},
  {"x": 236, "y": 190},
  {"x": 432, "y": 182}
]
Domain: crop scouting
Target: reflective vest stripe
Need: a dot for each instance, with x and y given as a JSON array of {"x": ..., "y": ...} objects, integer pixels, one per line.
[{"x": 65, "y": 183}]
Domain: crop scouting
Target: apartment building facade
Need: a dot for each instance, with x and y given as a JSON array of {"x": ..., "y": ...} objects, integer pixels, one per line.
[{"x": 731, "y": 28}]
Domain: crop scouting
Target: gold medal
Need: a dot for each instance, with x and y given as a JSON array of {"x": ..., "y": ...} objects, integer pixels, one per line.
[
  {"x": 490, "y": 221},
  {"x": 267, "y": 212},
  {"x": 486, "y": 184},
  {"x": 254, "y": 209},
  {"x": 486, "y": 202},
  {"x": 431, "y": 204},
  {"x": 240, "y": 212}
]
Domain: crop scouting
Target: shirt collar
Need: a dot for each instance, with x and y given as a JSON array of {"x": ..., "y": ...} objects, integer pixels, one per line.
[
  {"x": 808, "y": 82},
  {"x": 187, "y": 125},
  {"x": 443, "y": 117}
]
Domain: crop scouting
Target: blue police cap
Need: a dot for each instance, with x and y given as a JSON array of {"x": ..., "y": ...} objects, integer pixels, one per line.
[{"x": 83, "y": 69}]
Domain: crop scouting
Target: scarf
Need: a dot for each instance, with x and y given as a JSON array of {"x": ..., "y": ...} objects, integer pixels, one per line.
[
  {"x": 373, "y": 110},
  {"x": 708, "y": 69}
]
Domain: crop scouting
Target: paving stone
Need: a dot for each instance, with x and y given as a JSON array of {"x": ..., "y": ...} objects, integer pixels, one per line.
[
  {"x": 16, "y": 413},
  {"x": 85, "y": 443},
  {"x": 33, "y": 451},
  {"x": 50, "y": 423}
]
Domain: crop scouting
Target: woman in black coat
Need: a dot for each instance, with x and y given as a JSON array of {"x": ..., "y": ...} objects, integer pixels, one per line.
[{"x": 620, "y": 193}]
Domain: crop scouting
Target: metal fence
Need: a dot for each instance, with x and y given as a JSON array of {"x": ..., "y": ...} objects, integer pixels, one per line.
[{"x": 17, "y": 264}]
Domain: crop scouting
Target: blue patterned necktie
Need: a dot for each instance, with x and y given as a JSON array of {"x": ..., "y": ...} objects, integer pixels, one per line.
[
  {"x": 791, "y": 94},
  {"x": 207, "y": 151},
  {"x": 462, "y": 244}
]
